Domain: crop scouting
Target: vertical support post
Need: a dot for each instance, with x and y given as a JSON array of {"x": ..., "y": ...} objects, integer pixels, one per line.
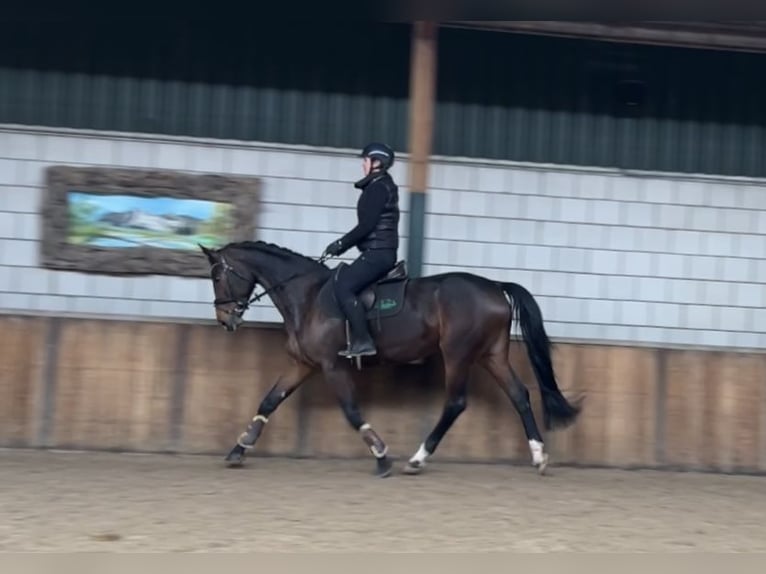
[
  {"x": 178, "y": 393},
  {"x": 421, "y": 119},
  {"x": 47, "y": 411}
]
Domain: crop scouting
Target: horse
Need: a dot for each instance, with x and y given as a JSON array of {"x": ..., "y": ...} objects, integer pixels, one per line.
[{"x": 465, "y": 317}]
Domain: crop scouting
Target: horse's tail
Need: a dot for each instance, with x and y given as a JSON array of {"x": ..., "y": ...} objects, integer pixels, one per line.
[{"x": 557, "y": 411}]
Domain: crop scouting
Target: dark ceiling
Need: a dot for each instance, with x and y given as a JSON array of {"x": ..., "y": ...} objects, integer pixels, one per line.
[{"x": 747, "y": 36}]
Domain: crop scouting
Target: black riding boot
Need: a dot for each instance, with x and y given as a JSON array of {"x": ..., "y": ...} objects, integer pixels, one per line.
[{"x": 361, "y": 341}]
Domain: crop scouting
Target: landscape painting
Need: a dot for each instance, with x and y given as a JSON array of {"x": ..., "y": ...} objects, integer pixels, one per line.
[
  {"x": 142, "y": 222},
  {"x": 122, "y": 221}
]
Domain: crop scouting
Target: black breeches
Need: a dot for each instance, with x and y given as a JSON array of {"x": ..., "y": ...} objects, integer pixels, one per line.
[{"x": 366, "y": 269}]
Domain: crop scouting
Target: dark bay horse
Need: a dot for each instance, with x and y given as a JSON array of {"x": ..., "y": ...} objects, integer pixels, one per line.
[{"x": 465, "y": 317}]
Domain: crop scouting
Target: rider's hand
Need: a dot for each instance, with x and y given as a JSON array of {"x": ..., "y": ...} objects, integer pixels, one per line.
[{"x": 334, "y": 249}]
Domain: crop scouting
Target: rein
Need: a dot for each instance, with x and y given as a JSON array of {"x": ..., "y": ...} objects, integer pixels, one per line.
[{"x": 242, "y": 307}]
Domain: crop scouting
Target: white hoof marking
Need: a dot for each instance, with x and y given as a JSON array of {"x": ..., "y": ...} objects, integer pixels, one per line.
[
  {"x": 419, "y": 458},
  {"x": 538, "y": 455},
  {"x": 543, "y": 465}
]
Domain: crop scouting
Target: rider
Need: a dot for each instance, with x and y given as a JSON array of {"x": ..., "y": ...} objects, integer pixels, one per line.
[{"x": 376, "y": 236}]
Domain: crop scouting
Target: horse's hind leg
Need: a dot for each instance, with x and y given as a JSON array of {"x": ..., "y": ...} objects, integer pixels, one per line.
[
  {"x": 283, "y": 388},
  {"x": 497, "y": 364},
  {"x": 456, "y": 380}
]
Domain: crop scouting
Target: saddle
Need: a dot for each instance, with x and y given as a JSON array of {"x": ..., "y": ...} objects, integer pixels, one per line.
[
  {"x": 387, "y": 298},
  {"x": 381, "y": 299}
]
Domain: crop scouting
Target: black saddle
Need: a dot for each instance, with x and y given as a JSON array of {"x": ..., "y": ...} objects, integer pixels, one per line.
[
  {"x": 383, "y": 298},
  {"x": 389, "y": 296}
]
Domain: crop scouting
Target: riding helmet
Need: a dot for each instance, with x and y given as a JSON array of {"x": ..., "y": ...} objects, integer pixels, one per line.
[{"x": 381, "y": 152}]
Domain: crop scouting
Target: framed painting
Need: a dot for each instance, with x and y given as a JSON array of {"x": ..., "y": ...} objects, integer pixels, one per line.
[{"x": 138, "y": 222}]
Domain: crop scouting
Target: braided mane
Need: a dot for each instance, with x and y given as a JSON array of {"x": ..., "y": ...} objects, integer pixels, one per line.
[{"x": 276, "y": 250}]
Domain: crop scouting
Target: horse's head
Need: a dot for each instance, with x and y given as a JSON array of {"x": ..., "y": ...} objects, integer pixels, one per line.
[{"x": 231, "y": 286}]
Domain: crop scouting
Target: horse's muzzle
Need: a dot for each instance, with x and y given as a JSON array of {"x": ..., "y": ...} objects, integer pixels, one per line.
[{"x": 230, "y": 321}]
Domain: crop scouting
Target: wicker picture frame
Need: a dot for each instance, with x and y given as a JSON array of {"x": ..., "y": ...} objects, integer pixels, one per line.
[{"x": 239, "y": 195}]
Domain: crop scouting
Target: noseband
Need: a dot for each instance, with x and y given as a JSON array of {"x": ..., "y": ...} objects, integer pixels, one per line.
[{"x": 244, "y": 305}]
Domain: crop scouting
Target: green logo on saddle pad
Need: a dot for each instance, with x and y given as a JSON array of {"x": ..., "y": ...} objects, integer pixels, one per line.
[{"x": 386, "y": 304}]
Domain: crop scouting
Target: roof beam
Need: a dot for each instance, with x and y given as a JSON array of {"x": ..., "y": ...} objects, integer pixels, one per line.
[{"x": 739, "y": 36}]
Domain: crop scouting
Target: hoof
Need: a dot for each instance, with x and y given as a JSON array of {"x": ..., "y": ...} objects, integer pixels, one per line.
[
  {"x": 413, "y": 468},
  {"x": 383, "y": 469},
  {"x": 236, "y": 457},
  {"x": 543, "y": 465}
]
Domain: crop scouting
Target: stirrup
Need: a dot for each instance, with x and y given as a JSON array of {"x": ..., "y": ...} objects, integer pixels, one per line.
[
  {"x": 347, "y": 353},
  {"x": 357, "y": 358}
]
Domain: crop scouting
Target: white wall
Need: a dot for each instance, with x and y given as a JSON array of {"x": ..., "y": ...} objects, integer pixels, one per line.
[
  {"x": 617, "y": 257},
  {"x": 308, "y": 200},
  {"x": 612, "y": 256}
]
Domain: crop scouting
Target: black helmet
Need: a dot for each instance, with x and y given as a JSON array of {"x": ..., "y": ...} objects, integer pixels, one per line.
[{"x": 381, "y": 152}]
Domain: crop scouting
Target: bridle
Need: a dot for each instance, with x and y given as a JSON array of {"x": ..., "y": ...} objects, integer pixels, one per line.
[{"x": 244, "y": 305}]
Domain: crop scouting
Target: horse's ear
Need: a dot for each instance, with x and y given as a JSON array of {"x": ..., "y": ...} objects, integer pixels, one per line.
[{"x": 212, "y": 255}]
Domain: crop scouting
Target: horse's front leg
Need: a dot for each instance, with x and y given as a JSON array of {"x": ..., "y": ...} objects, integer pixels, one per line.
[
  {"x": 341, "y": 382},
  {"x": 283, "y": 388}
]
